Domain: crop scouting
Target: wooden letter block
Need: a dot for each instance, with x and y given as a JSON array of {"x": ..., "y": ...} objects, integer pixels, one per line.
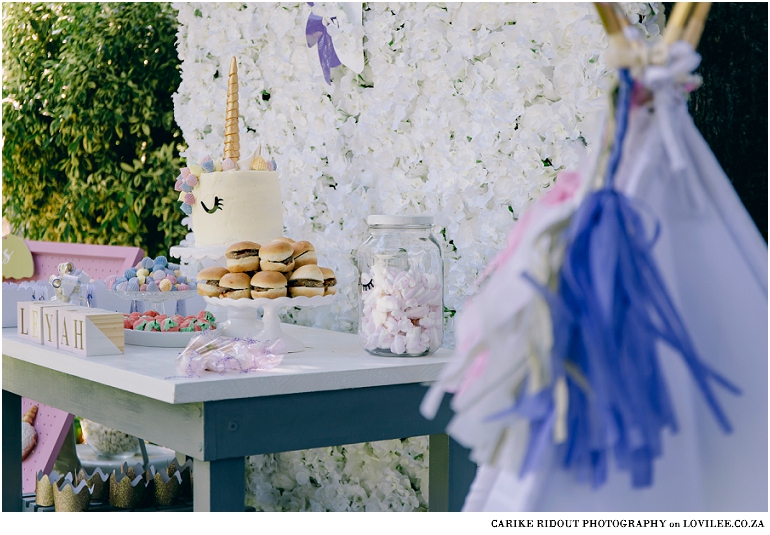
[
  {"x": 23, "y": 326},
  {"x": 90, "y": 332},
  {"x": 38, "y": 324}
]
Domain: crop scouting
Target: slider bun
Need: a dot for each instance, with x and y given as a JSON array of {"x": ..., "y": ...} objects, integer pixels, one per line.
[
  {"x": 212, "y": 273},
  {"x": 207, "y": 290},
  {"x": 242, "y": 265},
  {"x": 268, "y": 279},
  {"x": 273, "y": 285},
  {"x": 237, "y": 281},
  {"x": 304, "y": 291},
  {"x": 329, "y": 274},
  {"x": 272, "y": 255},
  {"x": 284, "y": 238},
  {"x": 245, "y": 263},
  {"x": 309, "y": 272},
  {"x": 242, "y": 246},
  {"x": 238, "y": 294},
  {"x": 304, "y": 253}
]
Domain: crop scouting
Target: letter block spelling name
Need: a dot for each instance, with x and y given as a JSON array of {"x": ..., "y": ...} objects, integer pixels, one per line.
[
  {"x": 90, "y": 332},
  {"x": 29, "y": 322},
  {"x": 32, "y": 324},
  {"x": 22, "y": 319},
  {"x": 42, "y": 321}
]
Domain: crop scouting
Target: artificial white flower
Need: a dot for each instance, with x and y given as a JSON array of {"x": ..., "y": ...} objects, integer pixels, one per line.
[{"x": 464, "y": 111}]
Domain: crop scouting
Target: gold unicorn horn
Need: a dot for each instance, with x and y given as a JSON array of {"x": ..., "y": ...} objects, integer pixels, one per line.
[
  {"x": 232, "y": 140},
  {"x": 29, "y": 416}
]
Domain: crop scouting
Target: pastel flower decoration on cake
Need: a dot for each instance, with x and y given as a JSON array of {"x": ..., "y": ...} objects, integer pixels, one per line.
[
  {"x": 189, "y": 199},
  {"x": 228, "y": 164},
  {"x": 178, "y": 185},
  {"x": 207, "y": 164},
  {"x": 191, "y": 180}
]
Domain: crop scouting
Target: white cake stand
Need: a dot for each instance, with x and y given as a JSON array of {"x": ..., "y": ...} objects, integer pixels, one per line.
[
  {"x": 196, "y": 258},
  {"x": 243, "y": 318}
]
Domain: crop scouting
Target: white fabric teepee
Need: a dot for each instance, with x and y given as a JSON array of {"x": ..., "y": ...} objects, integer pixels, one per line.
[{"x": 714, "y": 264}]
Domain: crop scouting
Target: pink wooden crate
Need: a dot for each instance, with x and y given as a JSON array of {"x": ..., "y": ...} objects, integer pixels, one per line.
[{"x": 99, "y": 261}]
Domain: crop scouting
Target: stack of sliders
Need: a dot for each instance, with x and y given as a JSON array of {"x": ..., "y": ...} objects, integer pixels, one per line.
[{"x": 281, "y": 268}]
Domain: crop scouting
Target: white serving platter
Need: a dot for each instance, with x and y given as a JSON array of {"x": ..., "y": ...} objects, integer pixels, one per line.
[{"x": 158, "y": 339}]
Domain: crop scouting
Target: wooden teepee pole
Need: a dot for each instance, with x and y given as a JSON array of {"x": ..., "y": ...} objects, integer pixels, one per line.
[
  {"x": 697, "y": 22},
  {"x": 676, "y": 22},
  {"x": 608, "y": 16},
  {"x": 232, "y": 139}
]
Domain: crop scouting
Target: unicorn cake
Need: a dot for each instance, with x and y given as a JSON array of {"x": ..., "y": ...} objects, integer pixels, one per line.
[{"x": 232, "y": 199}]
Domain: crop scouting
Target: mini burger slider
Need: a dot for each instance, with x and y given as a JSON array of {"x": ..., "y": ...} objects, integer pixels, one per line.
[
  {"x": 242, "y": 256},
  {"x": 304, "y": 254},
  {"x": 276, "y": 256},
  {"x": 307, "y": 281},
  {"x": 268, "y": 284},
  {"x": 330, "y": 281},
  {"x": 236, "y": 286},
  {"x": 208, "y": 281}
]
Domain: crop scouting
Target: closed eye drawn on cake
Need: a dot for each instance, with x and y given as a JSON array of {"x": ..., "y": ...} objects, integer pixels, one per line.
[
  {"x": 368, "y": 286},
  {"x": 217, "y": 206}
]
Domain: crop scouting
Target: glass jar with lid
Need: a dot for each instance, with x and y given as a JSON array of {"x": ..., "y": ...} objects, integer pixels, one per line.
[{"x": 401, "y": 290}]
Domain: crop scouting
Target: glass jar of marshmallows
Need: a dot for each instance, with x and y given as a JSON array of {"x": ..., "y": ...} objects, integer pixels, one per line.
[
  {"x": 109, "y": 443},
  {"x": 401, "y": 305}
]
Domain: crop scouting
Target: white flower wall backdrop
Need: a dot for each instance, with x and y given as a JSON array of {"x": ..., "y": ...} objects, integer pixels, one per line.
[{"x": 466, "y": 112}]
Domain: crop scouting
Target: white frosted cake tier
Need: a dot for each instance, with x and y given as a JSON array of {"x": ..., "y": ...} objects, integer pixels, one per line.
[{"x": 233, "y": 206}]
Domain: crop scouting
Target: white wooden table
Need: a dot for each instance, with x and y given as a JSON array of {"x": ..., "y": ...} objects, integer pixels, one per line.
[{"x": 332, "y": 393}]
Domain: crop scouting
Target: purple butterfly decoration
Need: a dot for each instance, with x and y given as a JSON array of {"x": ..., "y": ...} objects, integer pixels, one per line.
[{"x": 316, "y": 34}]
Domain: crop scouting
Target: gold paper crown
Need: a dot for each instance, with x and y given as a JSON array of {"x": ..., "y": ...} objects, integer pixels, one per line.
[{"x": 232, "y": 140}]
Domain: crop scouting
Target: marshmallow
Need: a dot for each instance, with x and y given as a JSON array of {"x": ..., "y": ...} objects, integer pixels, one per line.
[{"x": 400, "y": 311}]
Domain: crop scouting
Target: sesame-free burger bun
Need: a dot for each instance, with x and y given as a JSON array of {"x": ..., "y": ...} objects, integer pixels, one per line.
[
  {"x": 307, "y": 281},
  {"x": 330, "y": 281},
  {"x": 236, "y": 285},
  {"x": 268, "y": 284},
  {"x": 276, "y": 256},
  {"x": 304, "y": 254},
  {"x": 243, "y": 256},
  {"x": 208, "y": 281},
  {"x": 284, "y": 238}
]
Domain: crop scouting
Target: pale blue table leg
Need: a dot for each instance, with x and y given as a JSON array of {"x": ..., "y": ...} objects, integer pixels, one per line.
[
  {"x": 11, "y": 452},
  {"x": 451, "y": 473},
  {"x": 219, "y": 485}
]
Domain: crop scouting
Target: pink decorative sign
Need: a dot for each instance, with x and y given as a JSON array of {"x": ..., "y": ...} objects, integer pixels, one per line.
[{"x": 51, "y": 426}]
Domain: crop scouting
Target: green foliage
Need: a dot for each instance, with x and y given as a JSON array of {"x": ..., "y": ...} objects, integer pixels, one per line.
[{"x": 91, "y": 146}]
